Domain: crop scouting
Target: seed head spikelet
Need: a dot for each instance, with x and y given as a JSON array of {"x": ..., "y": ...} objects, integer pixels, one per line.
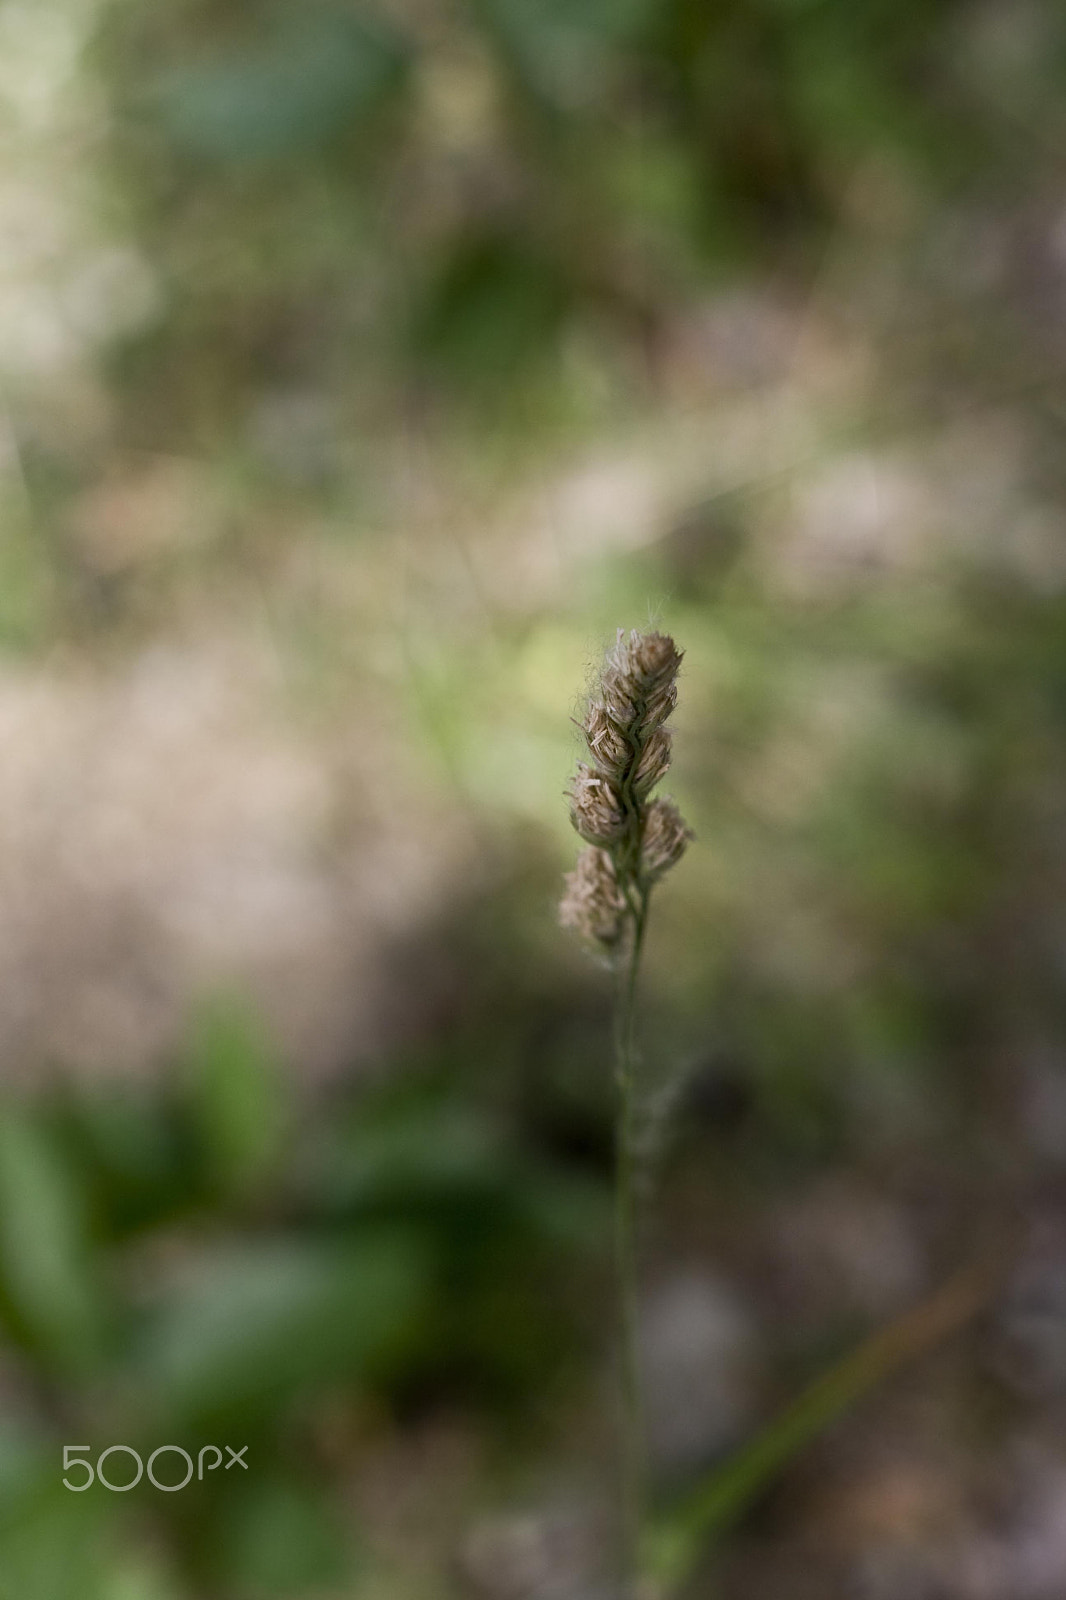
[
  {"x": 652, "y": 762},
  {"x": 593, "y": 904},
  {"x": 666, "y": 837},
  {"x": 607, "y": 744},
  {"x": 596, "y": 807}
]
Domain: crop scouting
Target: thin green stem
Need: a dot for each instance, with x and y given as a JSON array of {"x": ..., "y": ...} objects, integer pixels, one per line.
[{"x": 633, "y": 1487}]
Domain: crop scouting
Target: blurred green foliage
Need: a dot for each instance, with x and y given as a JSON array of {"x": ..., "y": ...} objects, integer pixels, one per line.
[
  {"x": 52, "y": 1301},
  {"x": 403, "y": 1247},
  {"x": 441, "y": 200}
]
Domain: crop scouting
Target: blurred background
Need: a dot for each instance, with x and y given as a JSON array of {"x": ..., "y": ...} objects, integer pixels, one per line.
[{"x": 363, "y": 365}]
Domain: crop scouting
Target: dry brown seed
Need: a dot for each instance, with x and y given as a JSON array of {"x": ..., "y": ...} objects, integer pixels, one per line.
[
  {"x": 666, "y": 837},
  {"x": 595, "y": 808},
  {"x": 593, "y": 904},
  {"x": 652, "y": 763},
  {"x": 607, "y": 745}
]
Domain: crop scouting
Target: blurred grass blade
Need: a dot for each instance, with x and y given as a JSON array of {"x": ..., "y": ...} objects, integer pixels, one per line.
[
  {"x": 45, "y": 1273},
  {"x": 678, "y": 1538}
]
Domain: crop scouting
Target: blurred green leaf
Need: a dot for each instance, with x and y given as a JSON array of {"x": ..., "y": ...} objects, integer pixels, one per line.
[
  {"x": 239, "y": 1093},
  {"x": 406, "y": 1149},
  {"x": 263, "y": 1323},
  {"x": 419, "y": 1155},
  {"x": 45, "y": 1269},
  {"x": 312, "y": 71},
  {"x": 131, "y": 1142},
  {"x": 140, "y": 1574},
  {"x": 25, "y": 1460},
  {"x": 26, "y": 584},
  {"x": 55, "y": 1545},
  {"x": 279, "y": 1538},
  {"x": 559, "y": 47},
  {"x": 497, "y": 306}
]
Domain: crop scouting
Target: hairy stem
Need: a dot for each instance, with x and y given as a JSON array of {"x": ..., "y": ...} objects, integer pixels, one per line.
[{"x": 632, "y": 1420}]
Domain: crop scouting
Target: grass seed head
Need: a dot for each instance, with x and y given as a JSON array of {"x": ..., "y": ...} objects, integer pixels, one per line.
[{"x": 632, "y": 840}]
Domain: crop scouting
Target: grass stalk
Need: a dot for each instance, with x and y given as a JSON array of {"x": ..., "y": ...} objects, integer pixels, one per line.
[{"x": 632, "y": 1456}]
